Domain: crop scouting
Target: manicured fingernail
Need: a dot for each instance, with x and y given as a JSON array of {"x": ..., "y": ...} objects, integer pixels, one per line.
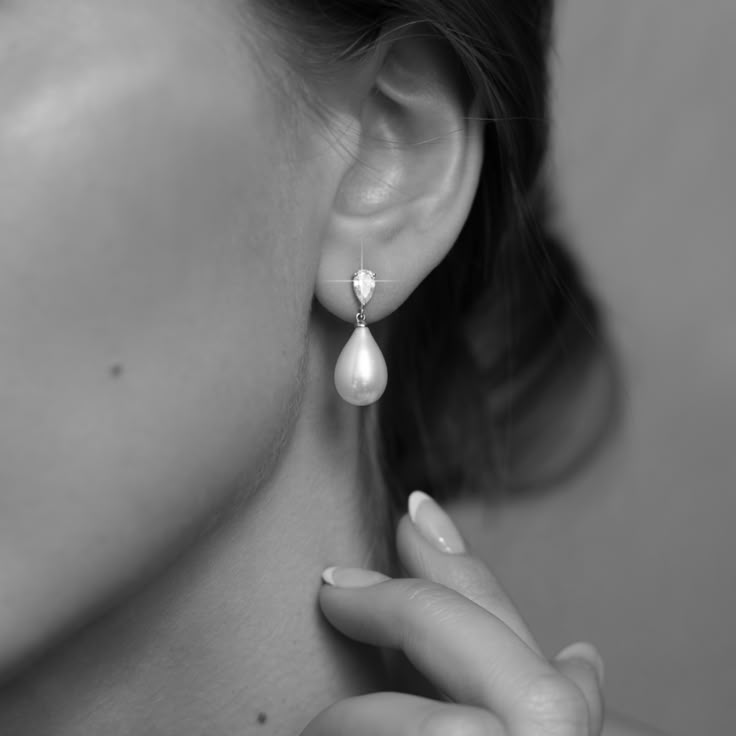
[
  {"x": 352, "y": 577},
  {"x": 434, "y": 523},
  {"x": 588, "y": 653}
]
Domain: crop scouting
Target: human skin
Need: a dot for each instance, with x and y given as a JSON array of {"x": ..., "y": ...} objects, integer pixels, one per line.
[
  {"x": 139, "y": 267},
  {"x": 176, "y": 469}
]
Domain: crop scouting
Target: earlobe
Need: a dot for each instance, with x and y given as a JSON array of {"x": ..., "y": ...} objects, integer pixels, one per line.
[{"x": 406, "y": 194}]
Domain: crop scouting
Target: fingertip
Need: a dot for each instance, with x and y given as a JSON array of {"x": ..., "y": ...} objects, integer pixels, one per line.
[
  {"x": 352, "y": 577},
  {"x": 435, "y": 524},
  {"x": 415, "y": 499},
  {"x": 583, "y": 650},
  {"x": 328, "y": 575}
]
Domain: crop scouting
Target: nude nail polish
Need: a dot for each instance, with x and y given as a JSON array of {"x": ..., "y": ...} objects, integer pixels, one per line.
[
  {"x": 352, "y": 577},
  {"x": 434, "y": 523}
]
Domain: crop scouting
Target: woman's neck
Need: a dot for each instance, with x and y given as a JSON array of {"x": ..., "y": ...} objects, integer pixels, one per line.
[{"x": 230, "y": 639}]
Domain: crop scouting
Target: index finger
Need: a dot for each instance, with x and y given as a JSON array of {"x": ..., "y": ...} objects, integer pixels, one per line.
[{"x": 469, "y": 653}]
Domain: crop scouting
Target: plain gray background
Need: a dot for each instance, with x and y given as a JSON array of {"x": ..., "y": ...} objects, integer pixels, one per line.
[{"x": 638, "y": 555}]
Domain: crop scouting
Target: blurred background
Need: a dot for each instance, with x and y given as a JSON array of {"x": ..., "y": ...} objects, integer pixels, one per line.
[{"x": 638, "y": 553}]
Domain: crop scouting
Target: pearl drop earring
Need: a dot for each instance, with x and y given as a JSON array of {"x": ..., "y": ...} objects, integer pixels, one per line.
[{"x": 360, "y": 373}]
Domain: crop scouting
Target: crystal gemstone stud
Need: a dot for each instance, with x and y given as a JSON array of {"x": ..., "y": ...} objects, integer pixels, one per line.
[{"x": 364, "y": 284}]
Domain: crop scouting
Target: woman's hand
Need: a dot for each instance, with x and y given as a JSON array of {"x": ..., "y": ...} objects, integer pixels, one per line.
[{"x": 459, "y": 630}]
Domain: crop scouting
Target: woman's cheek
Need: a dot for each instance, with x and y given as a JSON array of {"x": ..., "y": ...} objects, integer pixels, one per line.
[{"x": 149, "y": 339}]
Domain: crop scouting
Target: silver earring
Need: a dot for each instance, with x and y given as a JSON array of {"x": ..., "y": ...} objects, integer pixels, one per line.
[{"x": 360, "y": 372}]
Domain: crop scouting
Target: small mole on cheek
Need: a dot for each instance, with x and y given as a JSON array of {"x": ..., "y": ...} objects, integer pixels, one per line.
[
  {"x": 116, "y": 371},
  {"x": 262, "y": 718}
]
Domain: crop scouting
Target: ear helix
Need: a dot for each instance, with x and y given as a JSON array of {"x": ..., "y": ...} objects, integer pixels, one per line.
[{"x": 361, "y": 374}]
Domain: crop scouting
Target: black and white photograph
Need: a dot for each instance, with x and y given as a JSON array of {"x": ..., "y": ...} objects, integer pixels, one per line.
[{"x": 367, "y": 367}]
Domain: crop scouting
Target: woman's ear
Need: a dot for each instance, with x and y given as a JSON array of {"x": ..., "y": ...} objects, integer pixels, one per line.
[{"x": 410, "y": 180}]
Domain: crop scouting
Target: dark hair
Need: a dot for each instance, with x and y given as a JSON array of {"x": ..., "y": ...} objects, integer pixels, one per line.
[{"x": 504, "y": 324}]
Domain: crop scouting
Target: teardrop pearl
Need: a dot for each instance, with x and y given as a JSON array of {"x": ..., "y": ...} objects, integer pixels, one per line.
[{"x": 360, "y": 372}]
